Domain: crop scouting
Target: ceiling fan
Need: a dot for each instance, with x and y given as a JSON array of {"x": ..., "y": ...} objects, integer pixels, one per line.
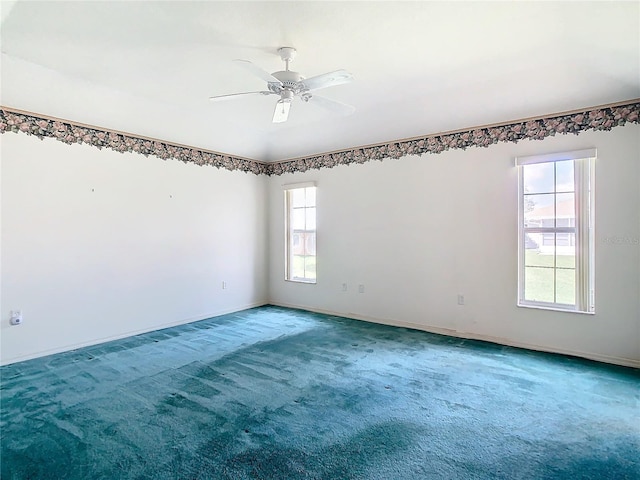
[{"x": 288, "y": 85}]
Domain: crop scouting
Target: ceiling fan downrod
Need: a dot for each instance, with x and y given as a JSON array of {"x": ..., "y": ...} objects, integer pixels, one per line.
[{"x": 287, "y": 54}]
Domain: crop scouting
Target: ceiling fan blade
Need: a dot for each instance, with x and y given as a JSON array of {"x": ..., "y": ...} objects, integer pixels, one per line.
[
  {"x": 332, "y": 105},
  {"x": 327, "y": 80},
  {"x": 231, "y": 96},
  {"x": 281, "y": 112},
  {"x": 257, "y": 71}
]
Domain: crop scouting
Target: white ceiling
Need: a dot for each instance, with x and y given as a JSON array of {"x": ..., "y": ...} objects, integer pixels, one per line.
[{"x": 148, "y": 68}]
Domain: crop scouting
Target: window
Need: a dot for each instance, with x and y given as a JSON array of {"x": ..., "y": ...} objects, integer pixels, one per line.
[
  {"x": 556, "y": 219},
  {"x": 300, "y": 242}
]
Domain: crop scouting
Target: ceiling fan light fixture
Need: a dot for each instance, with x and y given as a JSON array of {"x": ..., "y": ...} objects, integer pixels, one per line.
[{"x": 281, "y": 112}]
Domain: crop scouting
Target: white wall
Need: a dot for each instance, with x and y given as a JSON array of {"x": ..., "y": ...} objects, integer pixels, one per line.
[
  {"x": 98, "y": 245},
  {"x": 418, "y": 231}
]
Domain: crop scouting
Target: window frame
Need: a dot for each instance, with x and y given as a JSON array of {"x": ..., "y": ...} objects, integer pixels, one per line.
[
  {"x": 289, "y": 232},
  {"x": 583, "y": 229}
]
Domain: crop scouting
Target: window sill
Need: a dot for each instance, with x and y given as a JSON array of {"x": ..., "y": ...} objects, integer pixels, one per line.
[
  {"x": 553, "y": 309},
  {"x": 309, "y": 282}
]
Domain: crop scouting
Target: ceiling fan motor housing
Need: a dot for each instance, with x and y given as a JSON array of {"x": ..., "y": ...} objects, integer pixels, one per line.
[{"x": 288, "y": 81}]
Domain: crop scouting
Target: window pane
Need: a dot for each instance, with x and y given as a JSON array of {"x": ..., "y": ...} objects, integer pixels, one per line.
[
  {"x": 565, "y": 210},
  {"x": 297, "y": 197},
  {"x": 533, "y": 258},
  {"x": 310, "y": 197},
  {"x": 310, "y": 267},
  {"x": 310, "y": 244},
  {"x": 297, "y": 266},
  {"x": 539, "y": 210},
  {"x": 566, "y": 250},
  {"x": 297, "y": 219},
  {"x": 566, "y": 286},
  {"x": 562, "y": 240},
  {"x": 532, "y": 241},
  {"x": 300, "y": 246},
  {"x": 539, "y": 284},
  {"x": 564, "y": 176},
  {"x": 538, "y": 178},
  {"x": 310, "y": 218}
]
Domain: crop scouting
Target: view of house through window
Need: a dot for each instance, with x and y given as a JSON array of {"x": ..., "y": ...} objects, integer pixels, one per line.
[
  {"x": 301, "y": 233},
  {"x": 556, "y": 231}
]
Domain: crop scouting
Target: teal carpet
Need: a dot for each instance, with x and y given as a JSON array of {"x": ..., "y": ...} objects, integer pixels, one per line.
[{"x": 274, "y": 393}]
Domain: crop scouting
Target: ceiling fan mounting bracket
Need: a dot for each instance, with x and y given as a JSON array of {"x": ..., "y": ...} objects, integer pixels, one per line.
[{"x": 287, "y": 53}]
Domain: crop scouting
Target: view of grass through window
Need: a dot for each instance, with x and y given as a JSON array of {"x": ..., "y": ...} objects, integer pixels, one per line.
[{"x": 550, "y": 279}]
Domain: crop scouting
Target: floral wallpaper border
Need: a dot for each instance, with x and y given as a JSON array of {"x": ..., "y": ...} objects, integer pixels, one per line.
[
  {"x": 598, "y": 118},
  {"x": 68, "y": 132}
]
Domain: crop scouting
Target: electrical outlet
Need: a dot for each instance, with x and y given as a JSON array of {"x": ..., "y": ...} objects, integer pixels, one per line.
[
  {"x": 460, "y": 299},
  {"x": 224, "y": 285},
  {"x": 16, "y": 317},
  {"x": 344, "y": 287},
  {"x": 361, "y": 288}
]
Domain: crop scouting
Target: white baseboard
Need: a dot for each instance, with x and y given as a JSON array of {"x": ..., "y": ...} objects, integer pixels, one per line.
[
  {"x": 132, "y": 333},
  {"x": 625, "y": 362}
]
